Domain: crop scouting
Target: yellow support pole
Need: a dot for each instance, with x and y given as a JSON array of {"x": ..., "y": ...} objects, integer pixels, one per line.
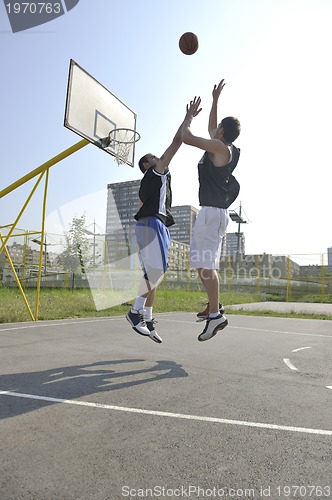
[
  {"x": 39, "y": 170},
  {"x": 258, "y": 269},
  {"x": 21, "y": 212},
  {"x": 42, "y": 244},
  {"x": 44, "y": 166},
  {"x": 24, "y": 257},
  {"x": 17, "y": 280},
  {"x": 322, "y": 285},
  {"x": 228, "y": 272},
  {"x": 289, "y": 277},
  {"x": 25, "y": 233}
]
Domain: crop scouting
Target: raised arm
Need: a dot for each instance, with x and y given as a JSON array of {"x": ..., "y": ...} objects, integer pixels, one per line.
[
  {"x": 165, "y": 159},
  {"x": 189, "y": 138},
  {"x": 215, "y": 146},
  {"x": 213, "y": 118}
]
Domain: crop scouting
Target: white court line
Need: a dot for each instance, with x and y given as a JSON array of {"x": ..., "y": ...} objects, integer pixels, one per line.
[
  {"x": 172, "y": 415},
  {"x": 41, "y": 325},
  {"x": 261, "y": 330},
  {"x": 113, "y": 318},
  {"x": 300, "y": 349},
  {"x": 289, "y": 364}
]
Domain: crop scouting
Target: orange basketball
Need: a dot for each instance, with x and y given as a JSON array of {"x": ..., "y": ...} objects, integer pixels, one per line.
[{"x": 188, "y": 43}]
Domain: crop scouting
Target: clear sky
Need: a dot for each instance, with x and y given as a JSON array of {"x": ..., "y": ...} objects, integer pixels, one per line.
[{"x": 275, "y": 56}]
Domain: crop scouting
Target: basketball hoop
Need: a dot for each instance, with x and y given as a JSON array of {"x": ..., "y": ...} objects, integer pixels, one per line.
[{"x": 120, "y": 141}]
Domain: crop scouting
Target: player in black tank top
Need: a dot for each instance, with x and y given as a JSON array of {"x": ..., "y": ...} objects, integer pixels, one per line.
[{"x": 215, "y": 195}]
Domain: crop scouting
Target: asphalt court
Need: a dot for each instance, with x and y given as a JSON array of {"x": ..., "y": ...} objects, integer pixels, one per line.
[{"x": 90, "y": 409}]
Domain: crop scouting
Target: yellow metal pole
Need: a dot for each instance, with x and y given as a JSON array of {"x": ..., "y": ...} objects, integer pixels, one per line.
[
  {"x": 42, "y": 244},
  {"x": 26, "y": 233},
  {"x": 258, "y": 269},
  {"x": 44, "y": 166},
  {"x": 288, "y": 287},
  {"x": 24, "y": 257},
  {"x": 322, "y": 285},
  {"x": 228, "y": 273},
  {"x": 21, "y": 212},
  {"x": 18, "y": 280},
  {"x": 39, "y": 170}
]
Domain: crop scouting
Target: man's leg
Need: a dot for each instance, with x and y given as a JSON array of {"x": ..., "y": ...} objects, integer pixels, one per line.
[
  {"x": 148, "y": 316},
  {"x": 150, "y": 298},
  {"x": 136, "y": 315},
  {"x": 210, "y": 280},
  {"x": 153, "y": 242},
  {"x": 216, "y": 321},
  {"x": 143, "y": 307}
]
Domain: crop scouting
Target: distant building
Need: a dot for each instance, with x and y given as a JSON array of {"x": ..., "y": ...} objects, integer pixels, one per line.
[
  {"x": 329, "y": 256},
  {"x": 122, "y": 205},
  {"x": 184, "y": 217},
  {"x": 24, "y": 259},
  {"x": 233, "y": 244},
  {"x": 259, "y": 265},
  {"x": 178, "y": 257}
]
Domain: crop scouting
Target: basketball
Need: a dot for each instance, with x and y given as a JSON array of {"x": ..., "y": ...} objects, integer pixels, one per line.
[{"x": 188, "y": 43}]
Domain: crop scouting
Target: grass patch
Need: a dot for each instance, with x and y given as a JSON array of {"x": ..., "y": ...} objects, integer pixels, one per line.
[
  {"x": 64, "y": 304},
  {"x": 277, "y": 314}
]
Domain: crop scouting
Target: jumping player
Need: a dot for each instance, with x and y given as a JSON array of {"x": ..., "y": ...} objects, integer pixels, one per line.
[
  {"x": 153, "y": 219},
  {"x": 215, "y": 196}
]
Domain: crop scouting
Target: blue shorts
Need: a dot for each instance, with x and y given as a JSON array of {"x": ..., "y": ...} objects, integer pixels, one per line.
[{"x": 153, "y": 242}]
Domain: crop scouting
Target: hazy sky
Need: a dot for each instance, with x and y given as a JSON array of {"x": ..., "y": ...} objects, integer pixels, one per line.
[{"x": 275, "y": 56}]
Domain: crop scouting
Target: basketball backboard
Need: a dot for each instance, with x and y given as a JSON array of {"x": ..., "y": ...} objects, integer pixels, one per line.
[{"x": 92, "y": 111}]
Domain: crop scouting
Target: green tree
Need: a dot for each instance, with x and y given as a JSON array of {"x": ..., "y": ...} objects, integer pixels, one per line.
[{"x": 76, "y": 256}]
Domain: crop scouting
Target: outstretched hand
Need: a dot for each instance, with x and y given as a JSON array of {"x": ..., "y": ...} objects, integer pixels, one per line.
[
  {"x": 217, "y": 89},
  {"x": 193, "y": 108}
]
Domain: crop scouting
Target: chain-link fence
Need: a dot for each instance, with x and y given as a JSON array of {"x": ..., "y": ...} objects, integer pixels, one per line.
[{"x": 112, "y": 273}]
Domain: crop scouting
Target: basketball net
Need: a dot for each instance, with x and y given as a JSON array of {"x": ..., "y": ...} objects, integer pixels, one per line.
[{"x": 121, "y": 141}]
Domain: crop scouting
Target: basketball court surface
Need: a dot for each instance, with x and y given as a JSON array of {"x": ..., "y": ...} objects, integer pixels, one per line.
[{"x": 92, "y": 410}]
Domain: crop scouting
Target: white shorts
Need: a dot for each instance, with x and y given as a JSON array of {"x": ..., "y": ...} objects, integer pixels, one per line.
[{"x": 208, "y": 232}]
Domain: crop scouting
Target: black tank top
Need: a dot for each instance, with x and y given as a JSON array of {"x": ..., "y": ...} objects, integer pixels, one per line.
[
  {"x": 156, "y": 195},
  {"x": 213, "y": 180}
]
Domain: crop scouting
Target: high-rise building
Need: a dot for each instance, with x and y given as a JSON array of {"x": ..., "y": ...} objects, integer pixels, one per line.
[
  {"x": 184, "y": 217},
  {"x": 233, "y": 244},
  {"x": 122, "y": 205},
  {"x": 329, "y": 256}
]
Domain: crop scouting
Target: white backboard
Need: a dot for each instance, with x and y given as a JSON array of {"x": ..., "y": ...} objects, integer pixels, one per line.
[{"x": 92, "y": 111}]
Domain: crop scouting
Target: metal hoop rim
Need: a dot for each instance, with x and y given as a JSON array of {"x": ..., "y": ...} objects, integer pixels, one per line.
[{"x": 136, "y": 136}]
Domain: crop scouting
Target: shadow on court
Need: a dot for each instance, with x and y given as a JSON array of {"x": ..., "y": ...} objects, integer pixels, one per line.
[{"x": 71, "y": 382}]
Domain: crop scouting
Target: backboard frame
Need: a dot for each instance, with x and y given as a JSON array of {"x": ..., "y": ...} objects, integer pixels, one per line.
[{"x": 92, "y": 111}]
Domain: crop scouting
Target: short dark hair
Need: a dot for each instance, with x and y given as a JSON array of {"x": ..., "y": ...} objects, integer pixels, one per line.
[
  {"x": 141, "y": 161},
  {"x": 232, "y": 128}
]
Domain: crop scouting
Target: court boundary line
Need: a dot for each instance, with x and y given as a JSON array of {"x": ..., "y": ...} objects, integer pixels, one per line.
[
  {"x": 241, "y": 423},
  {"x": 67, "y": 322},
  {"x": 262, "y": 330}
]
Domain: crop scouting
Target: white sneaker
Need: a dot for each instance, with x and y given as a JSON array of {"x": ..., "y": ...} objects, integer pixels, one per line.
[
  {"x": 153, "y": 333},
  {"x": 136, "y": 319},
  {"x": 213, "y": 326}
]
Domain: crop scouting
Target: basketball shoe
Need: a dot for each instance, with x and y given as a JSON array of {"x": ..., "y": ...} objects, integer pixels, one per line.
[
  {"x": 137, "y": 321},
  {"x": 203, "y": 315},
  {"x": 153, "y": 333},
  {"x": 212, "y": 327}
]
